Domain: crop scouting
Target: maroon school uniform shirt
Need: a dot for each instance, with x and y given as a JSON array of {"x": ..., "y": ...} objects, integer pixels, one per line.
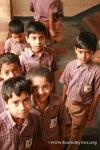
[
  {"x": 47, "y": 59},
  {"x": 14, "y": 137},
  {"x": 53, "y": 120}
]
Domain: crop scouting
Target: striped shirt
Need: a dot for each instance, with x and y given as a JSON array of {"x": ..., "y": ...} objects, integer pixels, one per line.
[
  {"x": 48, "y": 59},
  {"x": 82, "y": 80},
  {"x": 2, "y": 102},
  {"x": 14, "y": 47},
  {"x": 14, "y": 137}
]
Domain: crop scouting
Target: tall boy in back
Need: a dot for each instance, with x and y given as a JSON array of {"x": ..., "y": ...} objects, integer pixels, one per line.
[
  {"x": 16, "y": 43},
  {"x": 50, "y": 111},
  {"x": 47, "y": 12},
  {"x": 9, "y": 67},
  {"x": 81, "y": 86},
  {"x": 37, "y": 53},
  {"x": 18, "y": 127}
]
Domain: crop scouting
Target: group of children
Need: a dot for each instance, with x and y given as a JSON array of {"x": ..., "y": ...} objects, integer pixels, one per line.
[{"x": 32, "y": 116}]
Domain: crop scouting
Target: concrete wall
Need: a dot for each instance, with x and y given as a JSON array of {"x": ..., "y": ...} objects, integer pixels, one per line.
[{"x": 5, "y": 16}]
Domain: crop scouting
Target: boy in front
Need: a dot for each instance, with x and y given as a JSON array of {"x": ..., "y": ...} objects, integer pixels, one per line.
[
  {"x": 81, "y": 86},
  {"x": 18, "y": 127}
]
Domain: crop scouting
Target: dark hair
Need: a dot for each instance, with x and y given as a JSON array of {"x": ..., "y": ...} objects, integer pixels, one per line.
[
  {"x": 16, "y": 85},
  {"x": 36, "y": 27},
  {"x": 39, "y": 71},
  {"x": 86, "y": 40},
  {"x": 9, "y": 58},
  {"x": 16, "y": 26}
]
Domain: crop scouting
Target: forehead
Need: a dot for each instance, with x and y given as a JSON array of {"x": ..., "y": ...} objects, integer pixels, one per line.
[
  {"x": 83, "y": 50},
  {"x": 20, "y": 97},
  {"x": 9, "y": 66},
  {"x": 37, "y": 34},
  {"x": 17, "y": 35},
  {"x": 39, "y": 80}
]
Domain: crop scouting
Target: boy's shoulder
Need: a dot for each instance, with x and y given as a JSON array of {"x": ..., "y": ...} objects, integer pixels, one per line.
[
  {"x": 9, "y": 41},
  {"x": 3, "y": 123},
  {"x": 72, "y": 63}
]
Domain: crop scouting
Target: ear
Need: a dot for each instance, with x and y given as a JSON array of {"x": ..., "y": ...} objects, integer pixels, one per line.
[
  {"x": 26, "y": 37},
  {"x": 1, "y": 75},
  {"x": 75, "y": 49},
  {"x": 6, "y": 104}
]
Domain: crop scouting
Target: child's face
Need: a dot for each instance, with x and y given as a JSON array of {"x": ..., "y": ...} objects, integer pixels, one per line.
[
  {"x": 36, "y": 41},
  {"x": 83, "y": 55},
  {"x": 10, "y": 70},
  {"x": 19, "y": 38},
  {"x": 41, "y": 89},
  {"x": 19, "y": 106}
]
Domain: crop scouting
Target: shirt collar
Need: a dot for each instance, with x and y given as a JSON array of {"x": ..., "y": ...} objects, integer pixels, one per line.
[
  {"x": 30, "y": 53},
  {"x": 51, "y": 102},
  {"x": 12, "y": 123},
  {"x": 87, "y": 65}
]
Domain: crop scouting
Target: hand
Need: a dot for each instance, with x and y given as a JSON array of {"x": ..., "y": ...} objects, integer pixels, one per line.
[
  {"x": 90, "y": 116},
  {"x": 52, "y": 33}
]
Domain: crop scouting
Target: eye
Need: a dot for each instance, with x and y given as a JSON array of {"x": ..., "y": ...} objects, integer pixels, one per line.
[
  {"x": 80, "y": 52},
  {"x": 35, "y": 88},
  {"x": 16, "y": 103},
  {"x": 46, "y": 87},
  {"x": 26, "y": 100},
  {"x": 33, "y": 38},
  {"x": 7, "y": 72}
]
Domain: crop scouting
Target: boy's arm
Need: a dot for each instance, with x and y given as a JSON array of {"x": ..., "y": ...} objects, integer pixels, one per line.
[
  {"x": 94, "y": 105},
  {"x": 64, "y": 96},
  {"x": 51, "y": 23},
  {"x": 7, "y": 46}
]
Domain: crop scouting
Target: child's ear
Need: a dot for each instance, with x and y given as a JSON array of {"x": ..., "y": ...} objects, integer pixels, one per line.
[
  {"x": 6, "y": 104},
  {"x": 26, "y": 37},
  {"x": 75, "y": 49},
  {"x": 1, "y": 76}
]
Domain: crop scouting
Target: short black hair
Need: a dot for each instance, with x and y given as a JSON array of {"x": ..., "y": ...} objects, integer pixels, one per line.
[
  {"x": 39, "y": 71},
  {"x": 86, "y": 40},
  {"x": 16, "y": 26},
  {"x": 9, "y": 58},
  {"x": 36, "y": 27},
  {"x": 16, "y": 85}
]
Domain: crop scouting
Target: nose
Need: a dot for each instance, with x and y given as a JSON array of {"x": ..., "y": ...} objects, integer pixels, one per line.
[
  {"x": 40, "y": 91},
  {"x": 11, "y": 74},
  {"x": 17, "y": 40},
  {"x": 38, "y": 40},
  {"x": 21, "y": 107},
  {"x": 84, "y": 55}
]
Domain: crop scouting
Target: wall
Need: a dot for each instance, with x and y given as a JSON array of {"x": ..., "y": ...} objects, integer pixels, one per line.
[{"x": 5, "y": 16}]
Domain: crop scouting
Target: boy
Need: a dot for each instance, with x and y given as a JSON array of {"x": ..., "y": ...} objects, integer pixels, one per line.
[
  {"x": 50, "y": 111},
  {"x": 9, "y": 67},
  {"x": 16, "y": 43},
  {"x": 46, "y": 11},
  {"x": 81, "y": 86},
  {"x": 18, "y": 127},
  {"x": 37, "y": 54}
]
